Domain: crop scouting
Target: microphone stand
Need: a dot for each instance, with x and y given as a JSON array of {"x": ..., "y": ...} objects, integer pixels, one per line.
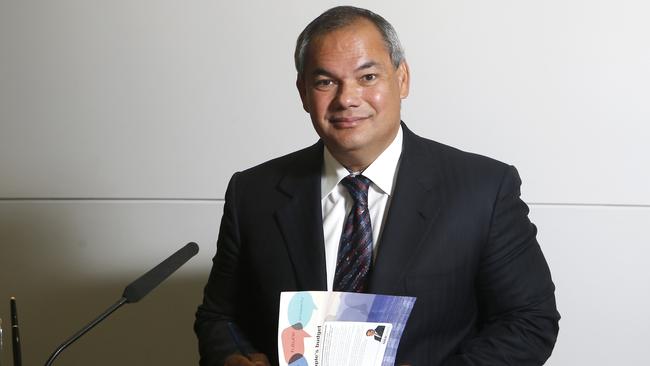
[
  {"x": 137, "y": 290},
  {"x": 84, "y": 330}
]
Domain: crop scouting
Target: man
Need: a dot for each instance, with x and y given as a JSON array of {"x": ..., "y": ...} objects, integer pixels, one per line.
[
  {"x": 376, "y": 333},
  {"x": 419, "y": 219}
]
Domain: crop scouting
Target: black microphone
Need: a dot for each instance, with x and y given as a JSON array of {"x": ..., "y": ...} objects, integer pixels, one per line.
[
  {"x": 135, "y": 291},
  {"x": 141, "y": 287}
]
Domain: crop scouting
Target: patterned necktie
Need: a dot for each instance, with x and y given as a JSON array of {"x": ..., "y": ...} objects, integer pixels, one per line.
[{"x": 355, "y": 248}]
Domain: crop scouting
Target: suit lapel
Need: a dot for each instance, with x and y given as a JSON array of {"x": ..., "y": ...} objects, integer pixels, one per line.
[
  {"x": 300, "y": 219},
  {"x": 415, "y": 204}
]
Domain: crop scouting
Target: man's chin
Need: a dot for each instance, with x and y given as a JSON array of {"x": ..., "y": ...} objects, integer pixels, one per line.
[{"x": 348, "y": 146}]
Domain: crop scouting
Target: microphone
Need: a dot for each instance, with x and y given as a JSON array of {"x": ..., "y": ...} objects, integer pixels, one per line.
[
  {"x": 150, "y": 280},
  {"x": 135, "y": 291}
]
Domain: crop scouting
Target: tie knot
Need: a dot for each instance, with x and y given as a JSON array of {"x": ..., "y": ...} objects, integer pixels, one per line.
[{"x": 357, "y": 185}]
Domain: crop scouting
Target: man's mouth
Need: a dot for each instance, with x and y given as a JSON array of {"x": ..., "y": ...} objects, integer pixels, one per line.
[{"x": 348, "y": 121}]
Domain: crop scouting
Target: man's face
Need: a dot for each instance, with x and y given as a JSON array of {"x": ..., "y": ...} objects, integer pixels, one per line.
[{"x": 352, "y": 91}]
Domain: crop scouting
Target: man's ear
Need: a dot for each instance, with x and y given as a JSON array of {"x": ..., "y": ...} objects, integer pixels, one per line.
[
  {"x": 404, "y": 79},
  {"x": 302, "y": 90}
]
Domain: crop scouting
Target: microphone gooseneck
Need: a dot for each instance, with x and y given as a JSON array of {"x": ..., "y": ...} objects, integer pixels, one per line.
[{"x": 84, "y": 330}]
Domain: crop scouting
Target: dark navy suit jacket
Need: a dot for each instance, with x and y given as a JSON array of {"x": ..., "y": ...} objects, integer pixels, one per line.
[{"x": 457, "y": 237}]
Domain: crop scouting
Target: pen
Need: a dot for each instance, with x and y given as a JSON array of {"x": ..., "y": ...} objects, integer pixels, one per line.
[
  {"x": 15, "y": 334},
  {"x": 237, "y": 339}
]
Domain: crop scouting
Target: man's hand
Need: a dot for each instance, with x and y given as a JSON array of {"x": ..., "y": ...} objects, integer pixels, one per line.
[{"x": 256, "y": 359}]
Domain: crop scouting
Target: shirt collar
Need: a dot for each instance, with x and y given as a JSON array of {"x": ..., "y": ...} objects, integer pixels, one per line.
[{"x": 381, "y": 172}]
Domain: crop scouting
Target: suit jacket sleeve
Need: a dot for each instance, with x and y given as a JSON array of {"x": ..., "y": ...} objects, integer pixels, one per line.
[
  {"x": 518, "y": 316},
  {"x": 221, "y": 291}
]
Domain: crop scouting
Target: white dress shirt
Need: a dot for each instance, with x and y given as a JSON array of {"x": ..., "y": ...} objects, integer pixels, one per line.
[{"x": 336, "y": 202}]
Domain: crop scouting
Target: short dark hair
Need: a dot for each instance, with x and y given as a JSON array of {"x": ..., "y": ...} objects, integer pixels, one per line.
[{"x": 340, "y": 17}]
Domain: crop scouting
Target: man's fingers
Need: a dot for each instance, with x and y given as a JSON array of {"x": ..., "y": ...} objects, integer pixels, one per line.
[
  {"x": 256, "y": 359},
  {"x": 260, "y": 359},
  {"x": 238, "y": 360}
]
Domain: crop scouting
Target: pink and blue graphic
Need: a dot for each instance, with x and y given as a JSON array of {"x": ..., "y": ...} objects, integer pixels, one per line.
[{"x": 300, "y": 311}]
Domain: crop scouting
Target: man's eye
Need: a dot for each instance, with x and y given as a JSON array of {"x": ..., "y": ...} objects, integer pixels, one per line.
[
  {"x": 369, "y": 77},
  {"x": 324, "y": 83}
]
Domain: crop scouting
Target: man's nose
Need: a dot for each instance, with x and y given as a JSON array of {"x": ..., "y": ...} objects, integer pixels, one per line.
[{"x": 348, "y": 95}]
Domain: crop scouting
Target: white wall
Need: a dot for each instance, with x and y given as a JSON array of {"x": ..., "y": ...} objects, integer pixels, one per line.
[{"x": 121, "y": 122}]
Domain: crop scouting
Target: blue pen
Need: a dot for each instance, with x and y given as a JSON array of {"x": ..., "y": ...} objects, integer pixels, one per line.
[{"x": 234, "y": 334}]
